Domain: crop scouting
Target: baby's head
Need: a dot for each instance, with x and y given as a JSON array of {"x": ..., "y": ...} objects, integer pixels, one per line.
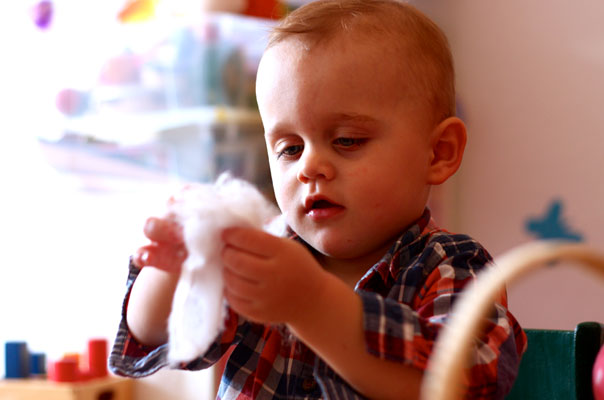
[
  {"x": 357, "y": 102},
  {"x": 412, "y": 42}
]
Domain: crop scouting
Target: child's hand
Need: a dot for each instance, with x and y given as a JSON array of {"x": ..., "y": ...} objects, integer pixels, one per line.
[
  {"x": 167, "y": 250},
  {"x": 267, "y": 278}
]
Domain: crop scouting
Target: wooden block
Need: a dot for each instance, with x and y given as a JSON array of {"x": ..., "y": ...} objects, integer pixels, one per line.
[{"x": 110, "y": 388}]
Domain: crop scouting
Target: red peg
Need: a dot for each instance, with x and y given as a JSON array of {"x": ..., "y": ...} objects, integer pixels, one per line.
[
  {"x": 97, "y": 358},
  {"x": 64, "y": 370}
]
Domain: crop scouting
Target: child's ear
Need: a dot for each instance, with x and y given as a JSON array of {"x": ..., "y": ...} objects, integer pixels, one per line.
[{"x": 448, "y": 142}]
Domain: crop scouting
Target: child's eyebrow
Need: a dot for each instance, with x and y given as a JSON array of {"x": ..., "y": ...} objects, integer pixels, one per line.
[
  {"x": 334, "y": 119},
  {"x": 276, "y": 130},
  {"x": 353, "y": 117}
]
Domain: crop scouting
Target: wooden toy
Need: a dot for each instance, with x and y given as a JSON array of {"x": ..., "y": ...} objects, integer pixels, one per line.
[
  {"x": 109, "y": 388},
  {"x": 17, "y": 360},
  {"x": 37, "y": 364},
  {"x": 68, "y": 377}
]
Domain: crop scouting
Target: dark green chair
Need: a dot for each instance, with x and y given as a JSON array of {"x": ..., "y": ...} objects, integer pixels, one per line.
[{"x": 558, "y": 364}]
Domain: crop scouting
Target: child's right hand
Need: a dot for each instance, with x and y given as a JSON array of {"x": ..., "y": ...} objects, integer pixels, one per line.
[{"x": 167, "y": 250}]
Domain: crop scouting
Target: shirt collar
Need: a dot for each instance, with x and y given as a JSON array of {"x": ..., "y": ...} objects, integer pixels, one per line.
[{"x": 399, "y": 254}]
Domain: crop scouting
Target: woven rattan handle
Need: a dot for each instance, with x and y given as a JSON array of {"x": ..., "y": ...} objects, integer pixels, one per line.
[{"x": 452, "y": 349}]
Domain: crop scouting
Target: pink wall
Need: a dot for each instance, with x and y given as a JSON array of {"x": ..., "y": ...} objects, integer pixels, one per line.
[{"x": 531, "y": 84}]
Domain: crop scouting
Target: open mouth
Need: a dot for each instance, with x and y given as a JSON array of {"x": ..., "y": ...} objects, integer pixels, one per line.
[
  {"x": 319, "y": 204},
  {"x": 322, "y": 208}
]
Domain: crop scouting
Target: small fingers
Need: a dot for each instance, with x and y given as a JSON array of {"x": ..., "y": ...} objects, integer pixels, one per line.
[
  {"x": 161, "y": 256},
  {"x": 251, "y": 240},
  {"x": 163, "y": 230},
  {"x": 239, "y": 304},
  {"x": 245, "y": 265},
  {"x": 237, "y": 294},
  {"x": 239, "y": 286}
]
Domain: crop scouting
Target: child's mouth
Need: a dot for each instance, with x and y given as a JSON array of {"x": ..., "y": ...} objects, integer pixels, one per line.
[
  {"x": 320, "y": 209},
  {"x": 321, "y": 204}
]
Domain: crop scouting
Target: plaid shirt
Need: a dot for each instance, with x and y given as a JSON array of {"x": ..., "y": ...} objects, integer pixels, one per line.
[{"x": 406, "y": 296}]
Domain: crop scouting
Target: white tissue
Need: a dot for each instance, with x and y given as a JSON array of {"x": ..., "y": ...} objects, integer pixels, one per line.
[{"x": 204, "y": 210}]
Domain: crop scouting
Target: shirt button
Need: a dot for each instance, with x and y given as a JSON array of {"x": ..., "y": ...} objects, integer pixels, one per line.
[{"x": 309, "y": 384}]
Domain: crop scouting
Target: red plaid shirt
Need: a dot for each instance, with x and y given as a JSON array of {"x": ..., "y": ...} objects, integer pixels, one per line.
[{"x": 407, "y": 297}]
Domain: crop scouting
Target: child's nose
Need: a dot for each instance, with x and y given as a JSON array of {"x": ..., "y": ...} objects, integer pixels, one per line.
[{"x": 315, "y": 165}]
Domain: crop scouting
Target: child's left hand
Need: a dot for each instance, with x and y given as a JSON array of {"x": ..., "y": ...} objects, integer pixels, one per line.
[{"x": 269, "y": 279}]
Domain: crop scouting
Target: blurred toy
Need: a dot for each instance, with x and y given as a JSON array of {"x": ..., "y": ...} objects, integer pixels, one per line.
[
  {"x": 21, "y": 364},
  {"x": 71, "y": 102},
  {"x": 37, "y": 364},
  {"x": 272, "y": 9},
  {"x": 69, "y": 380},
  {"x": 16, "y": 360},
  {"x": 137, "y": 11},
  {"x": 64, "y": 370},
  {"x": 121, "y": 69},
  {"x": 41, "y": 13},
  {"x": 143, "y": 10},
  {"x": 69, "y": 368},
  {"x": 97, "y": 358},
  {"x": 265, "y": 9}
]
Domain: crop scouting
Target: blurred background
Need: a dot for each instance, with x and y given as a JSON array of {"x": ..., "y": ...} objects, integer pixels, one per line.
[{"x": 107, "y": 107}]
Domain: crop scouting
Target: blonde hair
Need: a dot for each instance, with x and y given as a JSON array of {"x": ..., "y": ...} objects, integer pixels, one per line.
[{"x": 425, "y": 56}]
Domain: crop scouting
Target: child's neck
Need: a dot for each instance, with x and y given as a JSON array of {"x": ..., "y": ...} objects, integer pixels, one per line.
[{"x": 350, "y": 271}]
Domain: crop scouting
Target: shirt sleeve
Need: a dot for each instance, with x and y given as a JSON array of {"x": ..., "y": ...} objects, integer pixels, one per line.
[
  {"x": 136, "y": 360},
  {"x": 406, "y": 331}
]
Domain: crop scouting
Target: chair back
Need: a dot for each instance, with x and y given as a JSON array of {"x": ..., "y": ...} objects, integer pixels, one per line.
[{"x": 558, "y": 364}]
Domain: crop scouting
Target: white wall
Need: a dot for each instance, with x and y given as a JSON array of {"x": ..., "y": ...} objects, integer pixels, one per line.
[{"x": 531, "y": 85}]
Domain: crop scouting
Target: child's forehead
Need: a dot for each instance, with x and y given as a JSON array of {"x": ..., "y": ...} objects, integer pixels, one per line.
[
  {"x": 352, "y": 57},
  {"x": 331, "y": 78},
  {"x": 354, "y": 69},
  {"x": 362, "y": 47},
  {"x": 349, "y": 61},
  {"x": 395, "y": 35}
]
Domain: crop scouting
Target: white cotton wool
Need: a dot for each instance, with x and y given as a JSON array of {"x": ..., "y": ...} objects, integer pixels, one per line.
[{"x": 204, "y": 210}]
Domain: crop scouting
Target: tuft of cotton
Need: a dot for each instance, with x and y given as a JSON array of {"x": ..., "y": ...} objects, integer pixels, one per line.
[{"x": 204, "y": 210}]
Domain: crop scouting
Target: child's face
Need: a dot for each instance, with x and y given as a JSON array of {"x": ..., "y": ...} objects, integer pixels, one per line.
[{"x": 349, "y": 158}]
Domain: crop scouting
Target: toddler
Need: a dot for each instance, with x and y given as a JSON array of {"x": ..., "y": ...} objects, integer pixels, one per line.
[{"x": 357, "y": 101}]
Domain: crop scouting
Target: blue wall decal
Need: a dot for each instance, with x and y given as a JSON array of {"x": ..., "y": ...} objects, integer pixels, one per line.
[{"x": 552, "y": 225}]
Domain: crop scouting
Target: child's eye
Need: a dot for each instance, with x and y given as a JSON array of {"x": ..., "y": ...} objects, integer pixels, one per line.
[
  {"x": 349, "y": 143},
  {"x": 290, "y": 151}
]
